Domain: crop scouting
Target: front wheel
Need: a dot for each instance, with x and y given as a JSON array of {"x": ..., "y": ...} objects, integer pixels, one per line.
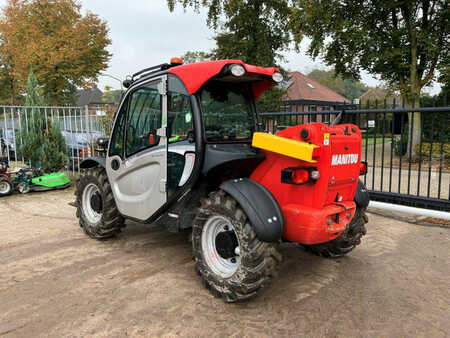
[
  {"x": 96, "y": 208},
  {"x": 346, "y": 242},
  {"x": 23, "y": 187},
  {"x": 5, "y": 188},
  {"x": 232, "y": 262}
]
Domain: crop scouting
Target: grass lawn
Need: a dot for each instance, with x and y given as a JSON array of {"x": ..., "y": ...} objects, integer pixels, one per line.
[{"x": 371, "y": 140}]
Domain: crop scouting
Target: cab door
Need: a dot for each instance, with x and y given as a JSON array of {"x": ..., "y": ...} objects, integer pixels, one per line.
[{"x": 137, "y": 157}]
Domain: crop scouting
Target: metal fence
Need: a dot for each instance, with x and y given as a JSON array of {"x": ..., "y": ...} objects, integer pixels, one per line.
[
  {"x": 398, "y": 173},
  {"x": 79, "y": 128},
  {"x": 417, "y": 175}
]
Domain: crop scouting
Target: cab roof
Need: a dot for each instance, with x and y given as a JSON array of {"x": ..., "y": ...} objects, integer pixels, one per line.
[{"x": 195, "y": 75}]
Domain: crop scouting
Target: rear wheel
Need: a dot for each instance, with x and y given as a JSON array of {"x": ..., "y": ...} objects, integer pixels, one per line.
[
  {"x": 5, "y": 188},
  {"x": 23, "y": 188},
  {"x": 346, "y": 242},
  {"x": 96, "y": 208},
  {"x": 232, "y": 262}
]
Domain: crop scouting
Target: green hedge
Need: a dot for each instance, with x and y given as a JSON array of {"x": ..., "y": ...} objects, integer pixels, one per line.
[{"x": 435, "y": 150}]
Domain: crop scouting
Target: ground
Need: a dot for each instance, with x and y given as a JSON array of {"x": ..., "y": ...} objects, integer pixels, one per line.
[{"x": 54, "y": 281}]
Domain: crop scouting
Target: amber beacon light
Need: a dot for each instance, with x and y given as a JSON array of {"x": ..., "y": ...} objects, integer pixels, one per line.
[{"x": 176, "y": 61}]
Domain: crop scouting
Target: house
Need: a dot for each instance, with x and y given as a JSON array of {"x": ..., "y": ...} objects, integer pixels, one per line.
[
  {"x": 380, "y": 95},
  {"x": 93, "y": 99},
  {"x": 305, "y": 94}
]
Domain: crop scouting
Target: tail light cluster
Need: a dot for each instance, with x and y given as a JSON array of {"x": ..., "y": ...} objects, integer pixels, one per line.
[
  {"x": 363, "y": 168},
  {"x": 299, "y": 176},
  {"x": 85, "y": 152}
]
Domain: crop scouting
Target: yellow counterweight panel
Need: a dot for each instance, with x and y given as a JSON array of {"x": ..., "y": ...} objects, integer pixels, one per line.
[{"x": 284, "y": 146}]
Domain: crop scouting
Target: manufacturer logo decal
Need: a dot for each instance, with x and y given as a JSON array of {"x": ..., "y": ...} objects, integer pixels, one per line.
[{"x": 343, "y": 159}]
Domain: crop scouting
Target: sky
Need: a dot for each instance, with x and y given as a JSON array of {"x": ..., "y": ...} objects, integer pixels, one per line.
[{"x": 144, "y": 33}]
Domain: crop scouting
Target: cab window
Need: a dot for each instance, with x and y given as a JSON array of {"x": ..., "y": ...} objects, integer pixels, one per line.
[
  {"x": 117, "y": 136},
  {"x": 179, "y": 113},
  {"x": 144, "y": 119},
  {"x": 179, "y": 116}
]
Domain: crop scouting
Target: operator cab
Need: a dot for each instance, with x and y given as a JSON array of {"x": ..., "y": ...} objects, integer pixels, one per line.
[{"x": 177, "y": 123}]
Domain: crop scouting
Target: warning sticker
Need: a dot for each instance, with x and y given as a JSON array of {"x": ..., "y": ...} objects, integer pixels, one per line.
[{"x": 326, "y": 139}]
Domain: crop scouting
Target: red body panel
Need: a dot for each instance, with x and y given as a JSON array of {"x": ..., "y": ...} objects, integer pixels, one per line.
[
  {"x": 319, "y": 211},
  {"x": 194, "y": 75}
]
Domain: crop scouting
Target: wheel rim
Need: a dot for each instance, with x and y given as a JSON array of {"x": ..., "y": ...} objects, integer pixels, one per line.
[
  {"x": 92, "y": 203},
  {"x": 220, "y": 246},
  {"x": 23, "y": 189},
  {"x": 4, "y": 187}
]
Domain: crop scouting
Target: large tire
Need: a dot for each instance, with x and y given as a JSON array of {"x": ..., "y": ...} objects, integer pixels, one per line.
[
  {"x": 346, "y": 242},
  {"x": 6, "y": 187},
  {"x": 255, "y": 261},
  {"x": 96, "y": 208}
]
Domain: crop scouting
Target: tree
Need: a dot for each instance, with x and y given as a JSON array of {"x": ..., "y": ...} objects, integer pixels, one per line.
[
  {"x": 402, "y": 41},
  {"x": 66, "y": 49},
  {"x": 196, "y": 56},
  {"x": 349, "y": 88},
  {"x": 254, "y": 31},
  {"x": 40, "y": 141},
  {"x": 111, "y": 95}
]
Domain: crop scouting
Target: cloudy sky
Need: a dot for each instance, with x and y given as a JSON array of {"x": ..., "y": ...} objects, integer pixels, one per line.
[{"x": 144, "y": 33}]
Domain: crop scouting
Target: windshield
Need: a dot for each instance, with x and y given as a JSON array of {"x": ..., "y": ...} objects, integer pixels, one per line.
[{"x": 227, "y": 112}]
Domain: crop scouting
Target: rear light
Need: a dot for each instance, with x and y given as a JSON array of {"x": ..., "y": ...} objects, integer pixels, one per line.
[
  {"x": 299, "y": 176},
  {"x": 363, "y": 168},
  {"x": 85, "y": 152}
]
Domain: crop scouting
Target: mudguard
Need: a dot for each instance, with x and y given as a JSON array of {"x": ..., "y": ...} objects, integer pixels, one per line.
[
  {"x": 92, "y": 162},
  {"x": 260, "y": 206},
  {"x": 362, "y": 197}
]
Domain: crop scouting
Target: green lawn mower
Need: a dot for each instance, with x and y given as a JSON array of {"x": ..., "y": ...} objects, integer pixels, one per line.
[{"x": 27, "y": 180}]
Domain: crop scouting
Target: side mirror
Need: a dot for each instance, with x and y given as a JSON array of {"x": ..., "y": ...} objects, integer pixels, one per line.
[{"x": 102, "y": 143}]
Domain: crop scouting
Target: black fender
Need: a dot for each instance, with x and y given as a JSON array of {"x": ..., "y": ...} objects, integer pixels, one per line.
[
  {"x": 261, "y": 208},
  {"x": 362, "y": 197},
  {"x": 92, "y": 162}
]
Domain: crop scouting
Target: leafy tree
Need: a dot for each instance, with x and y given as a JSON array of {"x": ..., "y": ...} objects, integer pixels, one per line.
[
  {"x": 111, "y": 95},
  {"x": 402, "y": 41},
  {"x": 40, "y": 141},
  {"x": 196, "y": 56},
  {"x": 65, "y": 48},
  {"x": 349, "y": 88},
  {"x": 254, "y": 31}
]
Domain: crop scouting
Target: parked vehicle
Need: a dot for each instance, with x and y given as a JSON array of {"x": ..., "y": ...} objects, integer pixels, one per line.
[
  {"x": 7, "y": 140},
  {"x": 186, "y": 152},
  {"x": 79, "y": 145},
  {"x": 6, "y": 185}
]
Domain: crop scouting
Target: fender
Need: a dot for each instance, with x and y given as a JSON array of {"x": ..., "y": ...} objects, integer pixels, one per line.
[
  {"x": 262, "y": 209},
  {"x": 92, "y": 162},
  {"x": 362, "y": 197}
]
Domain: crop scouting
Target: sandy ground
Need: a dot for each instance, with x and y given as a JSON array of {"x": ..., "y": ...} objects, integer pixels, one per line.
[{"x": 55, "y": 281}]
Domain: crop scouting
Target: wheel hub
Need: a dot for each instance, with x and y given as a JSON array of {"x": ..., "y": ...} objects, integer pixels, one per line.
[
  {"x": 226, "y": 243},
  {"x": 96, "y": 202},
  {"x": 4, "y": 187},
  {"x": 92, "y": 203},
  {"x": 220, "y": 246}
]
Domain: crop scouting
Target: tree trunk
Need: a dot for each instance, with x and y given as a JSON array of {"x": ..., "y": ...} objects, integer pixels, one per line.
[
  {"x": 414, "y": 126},
  {"x": 414, "y": 119}
]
